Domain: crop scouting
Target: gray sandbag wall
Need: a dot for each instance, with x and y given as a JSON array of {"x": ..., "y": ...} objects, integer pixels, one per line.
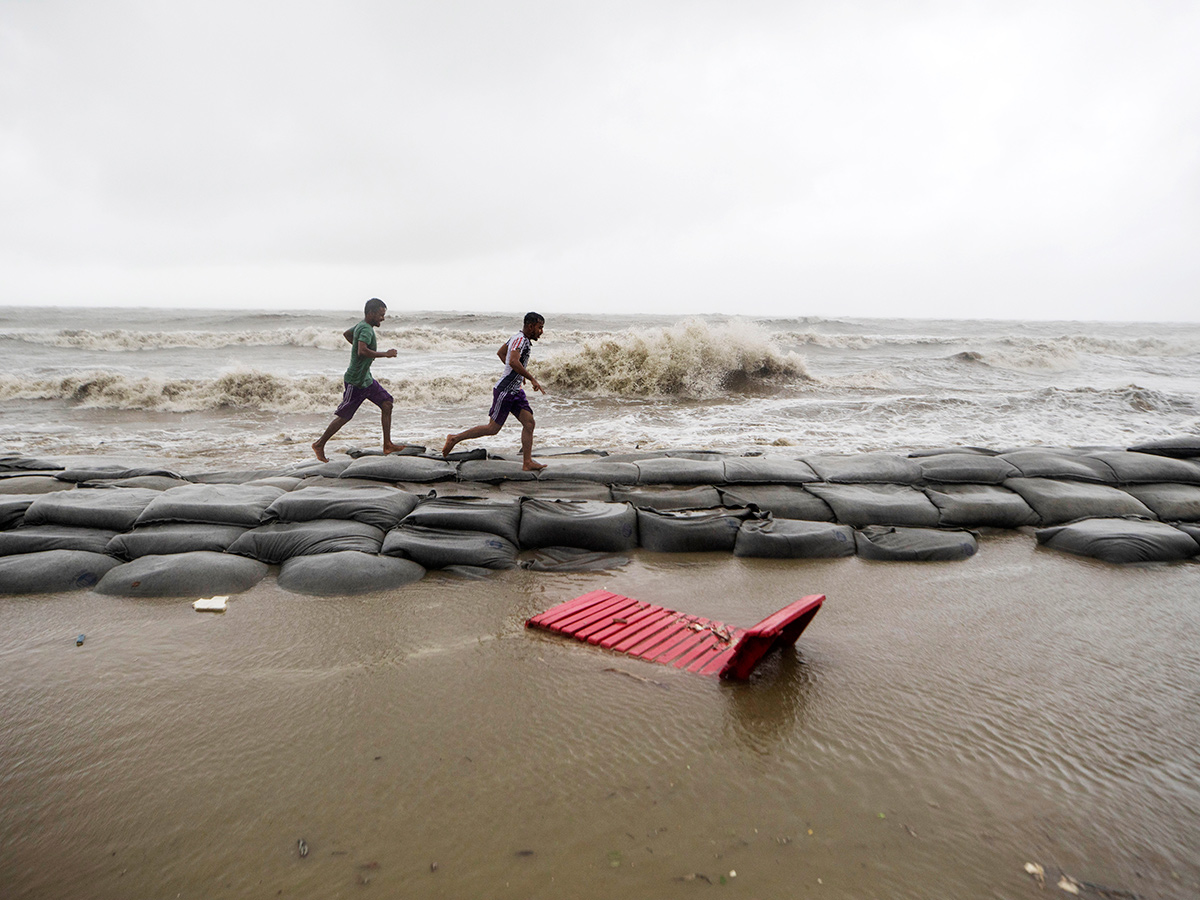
[{"x": 373, "y": 523}]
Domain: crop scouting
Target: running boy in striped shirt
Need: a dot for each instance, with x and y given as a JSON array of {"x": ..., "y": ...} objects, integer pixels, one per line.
[{"x": 508, "y": 395}]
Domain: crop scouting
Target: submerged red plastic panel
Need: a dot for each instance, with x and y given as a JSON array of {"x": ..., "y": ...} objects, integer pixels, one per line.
[{"x": 673, "y": 638}]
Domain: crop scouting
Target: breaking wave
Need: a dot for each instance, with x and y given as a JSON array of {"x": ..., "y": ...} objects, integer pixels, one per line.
[
  {"x": 692, "y": 360},
  {"x": 242, "y": 389}
]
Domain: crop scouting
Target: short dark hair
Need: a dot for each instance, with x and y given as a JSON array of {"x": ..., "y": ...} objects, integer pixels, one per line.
[
  {"x": 373, "y": 305},
  {"x": 531, "y": 317}
]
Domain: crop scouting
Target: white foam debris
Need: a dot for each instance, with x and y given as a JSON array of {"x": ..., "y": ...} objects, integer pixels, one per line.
[{"x": 210, "y": 604}]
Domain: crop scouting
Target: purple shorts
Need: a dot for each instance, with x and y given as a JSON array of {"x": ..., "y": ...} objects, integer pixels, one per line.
[
  {"x": 353, "y": 397},
  {"x": 503, "y": 404}
]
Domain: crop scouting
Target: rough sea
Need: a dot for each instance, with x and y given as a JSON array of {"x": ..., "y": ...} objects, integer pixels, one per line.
[{"x": 234, "y": 387}]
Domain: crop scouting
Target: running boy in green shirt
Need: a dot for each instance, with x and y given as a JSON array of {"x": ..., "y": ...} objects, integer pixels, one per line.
[{"x": 359, "y": 383}]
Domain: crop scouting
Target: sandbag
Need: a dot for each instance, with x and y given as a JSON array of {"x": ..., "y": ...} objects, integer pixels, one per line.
[
  {"x": 555, "y": 452},
  {"x": 700, "y": 455},
  {"x": 210, "y": 504},
  {"x": 585, "y": 524},
  {"x": 282, "y": 540},
  {"x": 461, "y": 456},
  {"x": 1183, "y": 447},
  {"x": 865, "y": 468},
  {"x": 163, "y": 540},
  {"x": 938, "y": 451},
  {"x": 783, "y": 501},
  {"x": 406, "y": 450},
  {"x": 198, "y": 574},
  {"x": 1120, "y": 540},
  {"x": 966, "y": 468},
  {"x": 283, "y": 482},
  {"x": 315, "y": 469},
  {"x": 494, "y": 470},
  {"x": 571, "y": 559},
  {"x": 768, "y": 470},
  {"x": 773, "y": 538},
  {"x": 1192, "y": 531},
  {"x": 438, "y": 548},
  {"x": 602, "y": 471},
  {"x": 40, "y": 538},
  {"x": 418, "y": 469},
  {"x": 980, "y": 505},
  {"x": 1057, "y": 501},
  {"x": 53, "y": 571},
  {"x": 703, "y": 497},
  {"x": 877, "y": 504},
  {"x": 914, "y": 544},
  {"x": 500, "y": 516},
  {"x": 12, "y": 508},
  {"x": 153, "y": 482},
  {"x": 676, "y": 470},
  {"x": 452, "y": 489},
  {"x": 1056, "y": 462},
  {"x": 690, "y": 531},
  {"x": 347, "y": 572},
  {"x": 109, "y": 472},
  {"x": 1170, "y": 502},
  {"x": 1146, "y": 468},
  {"x": 381, "y": 505},
  {"x": 558, "y": 490},
  {"x": 28, "y": 464},
  {"x": 102, "y": 508},
  {"x": 33, "y": 484},
  {"x": 241, "y": 476}
]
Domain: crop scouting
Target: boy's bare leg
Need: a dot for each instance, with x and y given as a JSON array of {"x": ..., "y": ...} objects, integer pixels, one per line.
[
  {"x": 385, "y": 411},
  {"x": 319, "y": 444},
  {"x": 525, "y": 417},
  {"x": 492, "y": 427}
]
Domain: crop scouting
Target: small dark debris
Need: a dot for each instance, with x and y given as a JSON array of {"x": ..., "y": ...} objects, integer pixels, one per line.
[{"x": 524, "y": 853}]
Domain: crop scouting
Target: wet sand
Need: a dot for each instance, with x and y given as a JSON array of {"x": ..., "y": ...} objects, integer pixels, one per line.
[{"x": 937, "y": 726}]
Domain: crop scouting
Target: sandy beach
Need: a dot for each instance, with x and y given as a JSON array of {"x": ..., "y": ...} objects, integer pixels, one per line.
[{"x": 937, "y": 727}]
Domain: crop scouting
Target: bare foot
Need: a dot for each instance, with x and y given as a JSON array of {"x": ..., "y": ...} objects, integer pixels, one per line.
[
  {"x": 448, "y": 446},
  {"x": 393, "y": 448},
  {"x": 319, "y": 449},
  {"x": 533, "y": 466}
]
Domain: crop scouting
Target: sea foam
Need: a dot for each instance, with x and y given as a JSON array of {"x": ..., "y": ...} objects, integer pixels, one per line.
[{"x": 238, "y": 389}]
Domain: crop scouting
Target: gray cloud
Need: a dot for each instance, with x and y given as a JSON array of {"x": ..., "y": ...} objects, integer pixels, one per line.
[{"x": 980, "y": 159}]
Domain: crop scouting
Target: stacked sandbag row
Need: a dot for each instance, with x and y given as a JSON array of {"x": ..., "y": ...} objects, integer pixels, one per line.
[
  {"x": 201, "y": 539},
  {"x": 363, "y": 523}
]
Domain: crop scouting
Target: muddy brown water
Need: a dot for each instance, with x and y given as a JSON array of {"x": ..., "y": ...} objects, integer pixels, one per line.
[{"x": 937, "y": 727}]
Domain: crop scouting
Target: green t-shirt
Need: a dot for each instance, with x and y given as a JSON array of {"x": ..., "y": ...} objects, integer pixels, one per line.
[{"x": 359, "y": 373}]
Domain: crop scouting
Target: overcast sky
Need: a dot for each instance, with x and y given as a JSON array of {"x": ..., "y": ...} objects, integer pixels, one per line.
[{"x": 953, "y": 159}]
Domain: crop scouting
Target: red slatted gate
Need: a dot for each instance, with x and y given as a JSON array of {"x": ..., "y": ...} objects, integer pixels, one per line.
[{"x": 684, "y": 641}]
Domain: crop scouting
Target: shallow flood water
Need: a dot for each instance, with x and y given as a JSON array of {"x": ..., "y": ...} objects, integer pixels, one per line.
[{"x": 937, "y": 727}]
